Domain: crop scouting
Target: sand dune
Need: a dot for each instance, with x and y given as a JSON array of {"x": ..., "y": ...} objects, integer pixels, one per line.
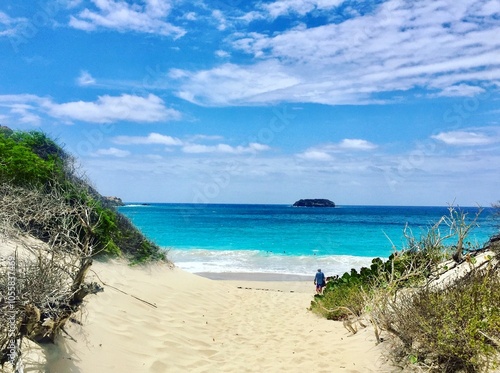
[{"x": 203, "y": 325}]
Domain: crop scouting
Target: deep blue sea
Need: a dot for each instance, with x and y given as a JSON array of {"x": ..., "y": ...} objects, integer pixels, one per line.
[{"x": 287, "y": 240}]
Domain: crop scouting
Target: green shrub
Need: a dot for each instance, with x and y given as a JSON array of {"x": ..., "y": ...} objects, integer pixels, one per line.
[
  {"x": 340, "y": 302},
  {"x": 347, "y": 295},
  {"x": 21, "y": 166}
]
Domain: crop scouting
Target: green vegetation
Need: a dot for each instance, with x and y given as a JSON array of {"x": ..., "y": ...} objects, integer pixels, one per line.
[
  {"x": 26, "y": 159},
  {"x": 442, "y": 328},
  {"x": 31, "y": 160}
]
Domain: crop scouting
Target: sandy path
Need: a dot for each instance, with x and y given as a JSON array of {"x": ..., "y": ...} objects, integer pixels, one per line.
[{"x": 202, "y": 325}]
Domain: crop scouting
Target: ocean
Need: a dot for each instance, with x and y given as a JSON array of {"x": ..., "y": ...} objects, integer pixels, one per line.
[{"x": 281, "y": 239}]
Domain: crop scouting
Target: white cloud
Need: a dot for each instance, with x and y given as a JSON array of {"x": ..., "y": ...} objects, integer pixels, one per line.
[
  {"x": 231, "y": 84},
  {"x": 427, "y": 45},
  {"x": 220, "y": 19},
  {"x": 108, "y": 109},
  {"x": 325, "y": 152},
  {"x": 252, "y": 16},
  {"x": 221, "y": 53},
  {"x": 356, "y": 144},
  {"x": 489, "y": 7},
  {"x": 465, "y": 138},
  {"x": 81, "y": 25},
  {"x": 123, "y": 16},
  {"x": 252, "y": 148},
  {"x": 189, "y": 146},
  {"x": 256, "y": 147},
  {"x": 205, "y": 137},
  {"x": 301, "y": 7},
  {"x": 25, "y": 114},
  {"x": 461, "y": 90},
  {"x": 315, "y": 155},
  {"x": 113, "y": 152},
  {"x": 152, "y": 138},
  {"x": 190, "y": 16},
  {"x": 22, "y": 108},
  {"x": 85, "y": 79},
  {"x": 72, "y": 3}
]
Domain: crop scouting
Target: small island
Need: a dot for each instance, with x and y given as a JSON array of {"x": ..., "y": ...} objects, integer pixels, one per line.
[{"x": 314, "y": 203}]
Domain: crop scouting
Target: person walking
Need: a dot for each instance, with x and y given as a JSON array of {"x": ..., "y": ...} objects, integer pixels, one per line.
[{"x": 319, "y": 281}]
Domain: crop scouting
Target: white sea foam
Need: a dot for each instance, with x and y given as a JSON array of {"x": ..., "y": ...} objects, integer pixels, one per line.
[{"x": 253, "y": 261}]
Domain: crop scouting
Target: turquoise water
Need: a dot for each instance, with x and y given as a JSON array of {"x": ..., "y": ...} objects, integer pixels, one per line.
[{"x": 284, "y": 239}]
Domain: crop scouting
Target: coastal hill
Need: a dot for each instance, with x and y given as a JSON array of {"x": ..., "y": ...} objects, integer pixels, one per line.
[
  {"x": 59, "y": 224},
  {"x": 314, "y": 203}
]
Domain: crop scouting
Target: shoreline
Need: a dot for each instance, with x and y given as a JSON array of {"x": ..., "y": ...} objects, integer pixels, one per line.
[{"x": 254, "y": 276}]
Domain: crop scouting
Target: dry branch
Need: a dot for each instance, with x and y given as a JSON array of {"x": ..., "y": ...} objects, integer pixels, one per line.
[{"x": 42, "y": 284}]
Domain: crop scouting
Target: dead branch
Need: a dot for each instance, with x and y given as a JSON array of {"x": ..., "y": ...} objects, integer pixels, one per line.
[{"x": 43, "y": 284}]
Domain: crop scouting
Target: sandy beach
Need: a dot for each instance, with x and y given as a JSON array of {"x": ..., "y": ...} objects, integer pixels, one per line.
[{"x": 157, "y": 319}]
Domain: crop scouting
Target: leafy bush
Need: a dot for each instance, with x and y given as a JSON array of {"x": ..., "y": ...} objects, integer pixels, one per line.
[
  {"x": 21, "y": 166},
  {"x": 348, "y": 295},
  {"x": 345, "y": 296}
]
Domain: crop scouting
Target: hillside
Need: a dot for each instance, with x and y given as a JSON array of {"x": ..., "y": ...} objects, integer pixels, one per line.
[
  {"x": 59, "y": 223},
  {"x": 35, "y": 167}
]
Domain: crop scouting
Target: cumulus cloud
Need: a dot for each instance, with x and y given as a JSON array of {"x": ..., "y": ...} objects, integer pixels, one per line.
[
  {"x": 114, "y": 152},
  {"x": 108, "y": 109},
  {"x": 190, "y": 146},
  {"x": 124, "y": 16},
  {"x": 356, "y": 144},
  {"x": 325, "y": 152},
  {"x": 316, "y": 155},
  {"x": 301, "y": 7},
  {"x": 152, "y": 138},
  {"x": 427, "y": 46},
  {"x": 252, "y": 148},
  {"x": 220, "y": 19},
  {"x": 465, "y": 138}
]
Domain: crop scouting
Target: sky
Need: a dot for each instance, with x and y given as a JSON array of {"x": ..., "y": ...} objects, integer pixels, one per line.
[{"x": 229, "y": 101}]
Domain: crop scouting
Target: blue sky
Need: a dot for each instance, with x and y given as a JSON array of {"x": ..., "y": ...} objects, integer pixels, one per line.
[{"x": 362, "y": 102}]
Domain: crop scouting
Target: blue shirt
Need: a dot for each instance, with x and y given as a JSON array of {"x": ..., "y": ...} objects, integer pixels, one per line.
[{"x": 320, "y": 278}]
